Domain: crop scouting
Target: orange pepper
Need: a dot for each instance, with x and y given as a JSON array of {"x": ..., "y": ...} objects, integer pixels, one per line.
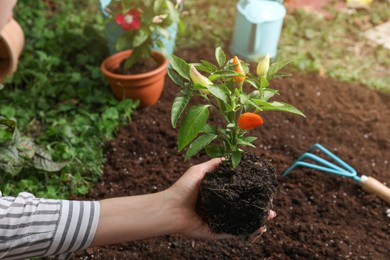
[
  {"x": 249, "y": 121},
  {"x": 238, "y": 69}
]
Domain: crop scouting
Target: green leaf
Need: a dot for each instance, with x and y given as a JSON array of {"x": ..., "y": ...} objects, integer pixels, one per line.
[
  {"x": 173, "y": 12},
  {"x": 264, "y": 82},
  {"x": 223, "y": 74},
  {"x": 209, "y": 129},
  {"x": 26, "y": 149},
  {"x": 110, "y": 114},
  {"x": 9, "y": 123},
  {"x": 10, "y": 161},
  {"x": 250, "y": 139},
  {"x": 204, "y": 68},
  {"x": 193, "y": 122},
  {"x": 220, "y": 56},
  {"x": 198, "y": 144},
  {"x": 157, "y": 5},
  {"x": 244, "y": 98},
  {"x": 236, "y": 158},
  {"x": 275, "y": 67},
  {"x": 253, "y": 104},
  {"x": 178, "y": 106},
  {"x": 209, "y": 65},
  {"x": 15, "y": 137},
  {"x": 8, "y": 153},
  {"x": 164, "y": 32},
  {"x": 10, "y": 168},
  {"x": 278, "y": 106},
  {"x": 220, "y": 92},
  {"x": 175, "y": 77},
  {"x": 42, "y": 160},
  {"x": 180, "y": 66},
  {"x": 267, "y": 94},
  {"x": 254, "y": 83},
  {"x": 214, "y": 151},
  {"x": 140, "y": 37},
  {"x": 247, "y": 141}
]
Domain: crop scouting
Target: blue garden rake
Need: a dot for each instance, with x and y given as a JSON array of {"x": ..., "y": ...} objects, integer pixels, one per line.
[{"x": 368, "y": 184}]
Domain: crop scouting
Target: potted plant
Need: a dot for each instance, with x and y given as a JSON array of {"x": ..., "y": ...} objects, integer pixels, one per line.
[
  {"x": 139, "y": 72},
  {"x": 11, "y": 46},
  {"x": 114, "y": 31},
  {"x": 235, "y": 198}
]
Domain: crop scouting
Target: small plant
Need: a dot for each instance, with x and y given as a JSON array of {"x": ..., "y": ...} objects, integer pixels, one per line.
[
  {"x": 235, "y": 198},
  {"x": 17, "y": 152},
  {"x": 223, "y": 91},
  {"x": 145, "y": 23}
]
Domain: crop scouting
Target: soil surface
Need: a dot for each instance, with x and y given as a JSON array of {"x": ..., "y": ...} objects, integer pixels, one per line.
[
  {"x": 319, "y": 215},
  {"x": 141, "y": 66}
]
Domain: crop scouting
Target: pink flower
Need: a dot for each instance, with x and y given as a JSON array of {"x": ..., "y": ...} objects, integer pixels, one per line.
[{"x": 129, "y": 20}]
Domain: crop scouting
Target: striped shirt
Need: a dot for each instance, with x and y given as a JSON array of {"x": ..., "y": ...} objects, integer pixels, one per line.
[{"x": 31, "y": 227}]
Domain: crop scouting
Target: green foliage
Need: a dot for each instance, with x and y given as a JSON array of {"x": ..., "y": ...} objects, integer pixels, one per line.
[
  {"x": 59, "y": 97},
  {"x": 226, "y": 96},
  {"x": 338, "y": 49},
  {"x": 18, "y": 152}
]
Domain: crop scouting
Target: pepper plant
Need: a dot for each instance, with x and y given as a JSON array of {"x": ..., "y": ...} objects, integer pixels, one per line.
[{"x": 223, "y": 90}]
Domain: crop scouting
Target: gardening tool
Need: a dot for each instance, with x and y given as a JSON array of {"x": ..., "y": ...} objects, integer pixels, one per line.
[{"x": 368, "y": 184}]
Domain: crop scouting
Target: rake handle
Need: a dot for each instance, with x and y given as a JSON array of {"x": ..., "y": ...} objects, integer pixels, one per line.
[{"x": 374, "y": 186}]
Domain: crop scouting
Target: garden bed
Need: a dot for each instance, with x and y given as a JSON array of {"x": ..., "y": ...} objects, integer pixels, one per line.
[{"x": 319, "y": 215}]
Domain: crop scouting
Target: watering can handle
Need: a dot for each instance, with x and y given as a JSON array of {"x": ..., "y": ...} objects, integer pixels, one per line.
[{"x": 374, "y": 186}]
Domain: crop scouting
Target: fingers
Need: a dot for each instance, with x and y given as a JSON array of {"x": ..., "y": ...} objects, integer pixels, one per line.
[
  {"x": 223, "y": 236},
  {"x": 262, "y": 229},
  {"x": 211, "y": 164},
  {"x": 271, "y": 214}
]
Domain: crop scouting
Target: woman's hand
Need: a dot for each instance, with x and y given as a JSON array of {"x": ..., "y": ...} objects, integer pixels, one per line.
[
  {"x": 171, "y": 211},
  {"x": 183, "y": 195}
]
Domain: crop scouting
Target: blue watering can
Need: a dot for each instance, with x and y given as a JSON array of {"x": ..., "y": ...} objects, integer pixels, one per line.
[
  {"x": 257, "y": 29},
  {"x": 313, "y": 161}
]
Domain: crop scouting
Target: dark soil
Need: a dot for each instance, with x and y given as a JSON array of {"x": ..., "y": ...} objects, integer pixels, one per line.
[
  {"x": 319, "y": 215},
  {"x": 141, "y": 66},
  {"x": 237, "y": 201}
]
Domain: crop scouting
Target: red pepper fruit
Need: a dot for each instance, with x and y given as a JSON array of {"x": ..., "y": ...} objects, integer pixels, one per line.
[
  {"x": 238, "y": 69},
  {"x": 249, "y": 121}
]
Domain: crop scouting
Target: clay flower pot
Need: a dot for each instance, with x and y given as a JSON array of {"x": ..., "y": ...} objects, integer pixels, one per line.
[
  {"x": 11, "y": 46},
  {"x": 146, "y": 87}
]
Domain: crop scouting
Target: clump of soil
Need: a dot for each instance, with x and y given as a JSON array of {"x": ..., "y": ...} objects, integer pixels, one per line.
[
  {"x": 142, "y": 65},
  {"x": 237, "y": 201}
]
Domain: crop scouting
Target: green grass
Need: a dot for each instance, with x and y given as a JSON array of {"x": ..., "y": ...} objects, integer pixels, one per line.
[
  {"x": 59, "y": 97},
  {"x": 333, "y": 47}
]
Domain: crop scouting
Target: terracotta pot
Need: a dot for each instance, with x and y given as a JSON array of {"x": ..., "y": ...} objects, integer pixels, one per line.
[
  {"x": 146, "y": 87},
  {"x": 11, "y": 46}
]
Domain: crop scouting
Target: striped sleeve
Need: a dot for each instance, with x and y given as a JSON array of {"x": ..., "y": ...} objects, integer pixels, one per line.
[{"x": 31, "y": 227}]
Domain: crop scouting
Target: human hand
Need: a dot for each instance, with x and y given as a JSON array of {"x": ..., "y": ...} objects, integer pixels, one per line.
[{"x": 184, "y": 194}]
